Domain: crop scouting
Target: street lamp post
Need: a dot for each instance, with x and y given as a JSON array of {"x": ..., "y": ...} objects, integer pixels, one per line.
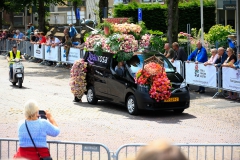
[{"x": 202, "y": 28}]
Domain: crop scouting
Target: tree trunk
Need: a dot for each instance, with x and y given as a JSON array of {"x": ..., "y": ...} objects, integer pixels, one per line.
[
  {"x": 175, "y": 21},
  {"x": 41, "y": 16},
  {"x": 172, "y": 34},
  {"x": 170, "y": 21},
  {"x": 102, "y": 5},
  {"x": 1, "y": 20}
]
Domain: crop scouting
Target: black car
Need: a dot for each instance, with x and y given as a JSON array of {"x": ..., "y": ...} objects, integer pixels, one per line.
[{"x": 103, "y": 83}]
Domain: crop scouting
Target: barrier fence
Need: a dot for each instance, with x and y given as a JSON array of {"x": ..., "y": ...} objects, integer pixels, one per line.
[
  {"x": 220, "y": 78},
  {"x": 98, "y": 151},
  {"x": 61, "y": 150},
  {"x": 191, "y": 151},
  {"x": 43, "y": 52}
]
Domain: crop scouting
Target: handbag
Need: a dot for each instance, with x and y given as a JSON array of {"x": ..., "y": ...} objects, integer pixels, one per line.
[{"x": 41, "y": 158}]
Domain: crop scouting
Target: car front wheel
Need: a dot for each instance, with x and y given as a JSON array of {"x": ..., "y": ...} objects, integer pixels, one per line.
[
  {"x": 131, "y": 105},
  {"x": 91, "y": 98}
]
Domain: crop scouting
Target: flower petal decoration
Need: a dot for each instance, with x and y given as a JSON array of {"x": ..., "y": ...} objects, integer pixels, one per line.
[
  {"x": 78, "y": 78},
  {"x": 154, "y": 75}
]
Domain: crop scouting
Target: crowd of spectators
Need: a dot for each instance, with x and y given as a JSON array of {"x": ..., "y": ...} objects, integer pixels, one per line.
[
  {"x": 219, "y": 58},
  {"x": 37, "y": 37}
]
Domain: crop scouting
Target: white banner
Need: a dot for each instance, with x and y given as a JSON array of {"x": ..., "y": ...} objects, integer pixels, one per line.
[
  {"x": 38, "y": 52},
  {"x": 178, "y": 65},
  {"x": 231, "y": 79},
  {"x": 74, "y": 54},
  {"x": 201, "y": 75},
  {"x": 51, "y": 53}
]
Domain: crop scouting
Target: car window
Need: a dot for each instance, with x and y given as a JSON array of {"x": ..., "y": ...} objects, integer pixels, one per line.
[{"x": 136, "y": 63}]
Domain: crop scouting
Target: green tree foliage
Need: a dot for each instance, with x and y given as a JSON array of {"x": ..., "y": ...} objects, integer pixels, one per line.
[
  {"x": 218, "y": 33},
  {"x": 155, "y": 15}
]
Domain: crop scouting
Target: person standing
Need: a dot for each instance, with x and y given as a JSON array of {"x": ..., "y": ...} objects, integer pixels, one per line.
[
  {"x": 199, "y": 55},
  {"x": 169, "y": 52},
  {"x": 39, "y": 129},
  {"x": 213, "y": 58},
  {"x": 72, "y": 32},
  {"x": 222, "y": 56},
  {"x": 179, "y": 53}
]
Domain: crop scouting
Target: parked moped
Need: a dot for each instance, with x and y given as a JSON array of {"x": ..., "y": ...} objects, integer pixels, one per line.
[{"x": 18, "y": 73}]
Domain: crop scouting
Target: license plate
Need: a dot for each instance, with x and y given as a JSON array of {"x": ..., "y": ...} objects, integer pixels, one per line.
[
  {"x": 172, "y": 99},
  {"x": 19, "y": 75}
]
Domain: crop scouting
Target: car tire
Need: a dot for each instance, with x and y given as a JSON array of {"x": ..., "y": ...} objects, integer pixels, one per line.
[
  {"x": 131, "y": 105},
  {"x": 178, "y": 111},
  {"x": 91, "y": 98}
]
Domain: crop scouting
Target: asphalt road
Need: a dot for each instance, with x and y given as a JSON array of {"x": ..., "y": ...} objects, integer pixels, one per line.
[{"x": 207, "y": 120}]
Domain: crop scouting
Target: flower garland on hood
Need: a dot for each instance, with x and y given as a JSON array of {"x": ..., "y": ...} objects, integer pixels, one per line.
[
  {"x": 78, "y": 78},
  {"x": 154, "y": 75}
]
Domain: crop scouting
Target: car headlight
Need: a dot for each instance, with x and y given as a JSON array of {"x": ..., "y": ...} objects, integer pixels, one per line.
[{"x": 183, "y": 84}]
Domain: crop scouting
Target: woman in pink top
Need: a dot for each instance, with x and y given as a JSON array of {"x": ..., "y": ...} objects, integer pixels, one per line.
[{"x": 213, "y": 58}]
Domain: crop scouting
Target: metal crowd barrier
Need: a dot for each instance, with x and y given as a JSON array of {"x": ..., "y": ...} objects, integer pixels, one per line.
[
  {"x": 61, "y": 150},
  {"x": 191, "y": 151},
  {"x": 220, "y": 78}
]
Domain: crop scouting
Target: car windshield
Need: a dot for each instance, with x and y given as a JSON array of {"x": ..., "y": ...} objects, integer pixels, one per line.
[{"x": 136, "y": 62}]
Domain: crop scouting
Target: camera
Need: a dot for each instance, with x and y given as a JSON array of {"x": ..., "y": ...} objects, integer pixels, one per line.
[{"x": 42, "y": 114}]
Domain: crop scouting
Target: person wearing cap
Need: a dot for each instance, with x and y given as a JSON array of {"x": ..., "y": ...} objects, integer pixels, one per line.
[
  {"x": 73, "y": 32},
  {"x": 14, "y": 53}
]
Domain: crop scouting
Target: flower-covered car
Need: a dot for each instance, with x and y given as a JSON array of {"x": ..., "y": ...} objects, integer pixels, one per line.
[{"x": 142, "y": 86}]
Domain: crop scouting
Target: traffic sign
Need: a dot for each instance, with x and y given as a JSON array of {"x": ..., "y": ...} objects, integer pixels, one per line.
[
  {"x": 77, "y": 13},
  {"x": 139, "y": 14}
]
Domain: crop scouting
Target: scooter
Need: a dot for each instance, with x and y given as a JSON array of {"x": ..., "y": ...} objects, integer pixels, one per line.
[{"x": 18, "y": 73}]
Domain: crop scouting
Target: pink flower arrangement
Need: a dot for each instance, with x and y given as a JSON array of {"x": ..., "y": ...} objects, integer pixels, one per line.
[
  {"x": 93, "y": 40},
  {"x": 78, "y": 78},
  {"x": 126, "y": 28},
  {"x": 154, "y": 75},
  {"x": 129, "y": 44},
  {"x": 145, "y": 41}
]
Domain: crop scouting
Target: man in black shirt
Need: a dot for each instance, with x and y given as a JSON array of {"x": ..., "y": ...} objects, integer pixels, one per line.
[{"x": 180, "y": 53}]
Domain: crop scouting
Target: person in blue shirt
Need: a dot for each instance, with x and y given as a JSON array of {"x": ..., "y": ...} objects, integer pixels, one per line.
[
  {"x": 19, "y": 35},
  {"x": 72, "y": 32},
  {"x": 199, "y": 55}
]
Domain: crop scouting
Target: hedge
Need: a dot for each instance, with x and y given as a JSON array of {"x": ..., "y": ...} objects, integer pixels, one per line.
[{"x": 155, "y": 15}]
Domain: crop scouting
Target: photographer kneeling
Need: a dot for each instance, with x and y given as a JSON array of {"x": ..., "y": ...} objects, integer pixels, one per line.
[{"x": 33, "y": 131}]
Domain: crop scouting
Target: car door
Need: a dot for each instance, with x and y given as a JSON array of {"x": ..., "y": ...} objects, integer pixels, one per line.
[
  {"x": 117, "y": 86},
  {"x": 100, "y": 82}
]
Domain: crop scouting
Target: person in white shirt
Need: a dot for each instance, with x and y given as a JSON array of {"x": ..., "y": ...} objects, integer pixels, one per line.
[
  {"x": 213, "y": 58},
  {"x": 54, "y": 41}
]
